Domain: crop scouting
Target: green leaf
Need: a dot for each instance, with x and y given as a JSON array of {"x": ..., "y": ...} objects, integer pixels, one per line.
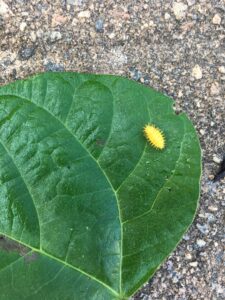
[{"x": 88, "y": 209}]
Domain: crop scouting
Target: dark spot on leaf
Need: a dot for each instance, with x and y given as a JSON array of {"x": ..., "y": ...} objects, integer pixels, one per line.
[
  {"x": 31, "y": 257},
  {"x": 100, "y": 142},
  {"x": 12, "y": 246}
]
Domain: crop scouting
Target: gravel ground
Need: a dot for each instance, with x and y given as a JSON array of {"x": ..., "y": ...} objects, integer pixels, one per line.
[{"x": 177, "y": 48}]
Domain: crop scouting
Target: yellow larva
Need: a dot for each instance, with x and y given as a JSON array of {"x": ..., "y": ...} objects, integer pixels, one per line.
[{"x": 155, "y": 136}]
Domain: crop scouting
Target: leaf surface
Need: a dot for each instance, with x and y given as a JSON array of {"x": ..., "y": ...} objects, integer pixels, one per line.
[{"x": 88, "y": 209}]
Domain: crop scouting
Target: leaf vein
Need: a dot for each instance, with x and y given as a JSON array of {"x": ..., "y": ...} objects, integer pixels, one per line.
[
  {"x": 159, "y": 192},
  {"x": 42, "y": 252},
  {"x": 15, "y": 261},
  {"x": 135, "y": 167},
  {"x": 26, "y": 186}
]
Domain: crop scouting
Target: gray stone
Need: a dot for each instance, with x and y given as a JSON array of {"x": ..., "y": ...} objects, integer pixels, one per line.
[
  {"x": 53, "y": 67},
  {"x": 202, "y": 228},
  {"x": 135, "y": 74},
  {"x": 99, "y": 25},
  {"x": 201, "y": 243},
  {"x": 74, "y": 2},
  {"x": 26, "y": 52},
  {"x": 54, "y": 36}
]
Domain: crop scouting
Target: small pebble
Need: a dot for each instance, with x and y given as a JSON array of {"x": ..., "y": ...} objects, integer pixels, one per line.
[
  {"x": 179, "y": 10},
  {"x": 99, "y": 25},
  {"x": 4, "y": 8},
  {"x": 221, "y": 69},
  {"x": 33, "y": 36},
  {"x": 136, "y": 74},
  {"x": 71, "y": 2},
  {"x": 186, "y": 237},
  {"x": 202, "y": 131},
  {"x": 216, "y": 19},
  {"x": 145, "y": 6},
  {"x": 201, "y": 243},
  {"x": 111, "y": 35},
  {"x": 210, "y": 217},
  {"x": 193, "y": 264},
  {"x": 191, "y": 2},
  {"x": 55, "y": 36},
  {"x": 215, "y": 89},
  {"x": 211, "y": 176},
  {"x": 175, "y": 279},
  {"x": 84, "y": 14},
  {"x": 50, "y": 66},
  {"x": 151, "y": 24},
  {"x": 197, "y": 72},
  {"x": 220, "y": 289},
  {"x": 188, "y": 256},
  {"x": 93, "y": 34},
  {"x": 202, "y": 228},
  {"x": 167, "y": 16},
  {"x": 169, "y": 265},
  {"x": 217, "y": 159},
  {"x": 180, "y": 94},
  {"x": 212, "y": 208},
  {"x": 26, "y": 53},
  {"x": 58, "y": 20},
  {"x": 23, "y": 25}
]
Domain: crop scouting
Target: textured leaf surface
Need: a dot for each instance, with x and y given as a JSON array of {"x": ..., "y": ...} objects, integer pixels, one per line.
[{"x": 88, "y": 209}]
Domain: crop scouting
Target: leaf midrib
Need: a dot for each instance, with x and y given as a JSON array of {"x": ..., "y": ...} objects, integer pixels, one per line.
[
  {"x": 25, "y": 184},
  {"x": 42, "y": 252}
]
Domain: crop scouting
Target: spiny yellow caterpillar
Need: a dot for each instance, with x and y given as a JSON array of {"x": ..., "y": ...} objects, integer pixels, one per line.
[{"x": 155, "y": 136}]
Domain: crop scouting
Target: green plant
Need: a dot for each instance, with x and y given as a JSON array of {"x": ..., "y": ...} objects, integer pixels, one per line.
[{"x": 88, "y": 209}]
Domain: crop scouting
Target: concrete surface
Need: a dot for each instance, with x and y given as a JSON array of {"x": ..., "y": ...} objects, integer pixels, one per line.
[{"x": 177, "y": 48}]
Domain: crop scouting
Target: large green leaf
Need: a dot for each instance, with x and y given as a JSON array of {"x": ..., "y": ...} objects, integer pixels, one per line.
[{"x": 88, "y": 209}]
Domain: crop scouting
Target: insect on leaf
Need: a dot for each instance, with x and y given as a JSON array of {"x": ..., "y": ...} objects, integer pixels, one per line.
[{"x": 88, "y": 208}]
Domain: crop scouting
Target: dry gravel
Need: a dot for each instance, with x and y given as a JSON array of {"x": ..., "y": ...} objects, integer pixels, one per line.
[{"x": 177, "y": 47}]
